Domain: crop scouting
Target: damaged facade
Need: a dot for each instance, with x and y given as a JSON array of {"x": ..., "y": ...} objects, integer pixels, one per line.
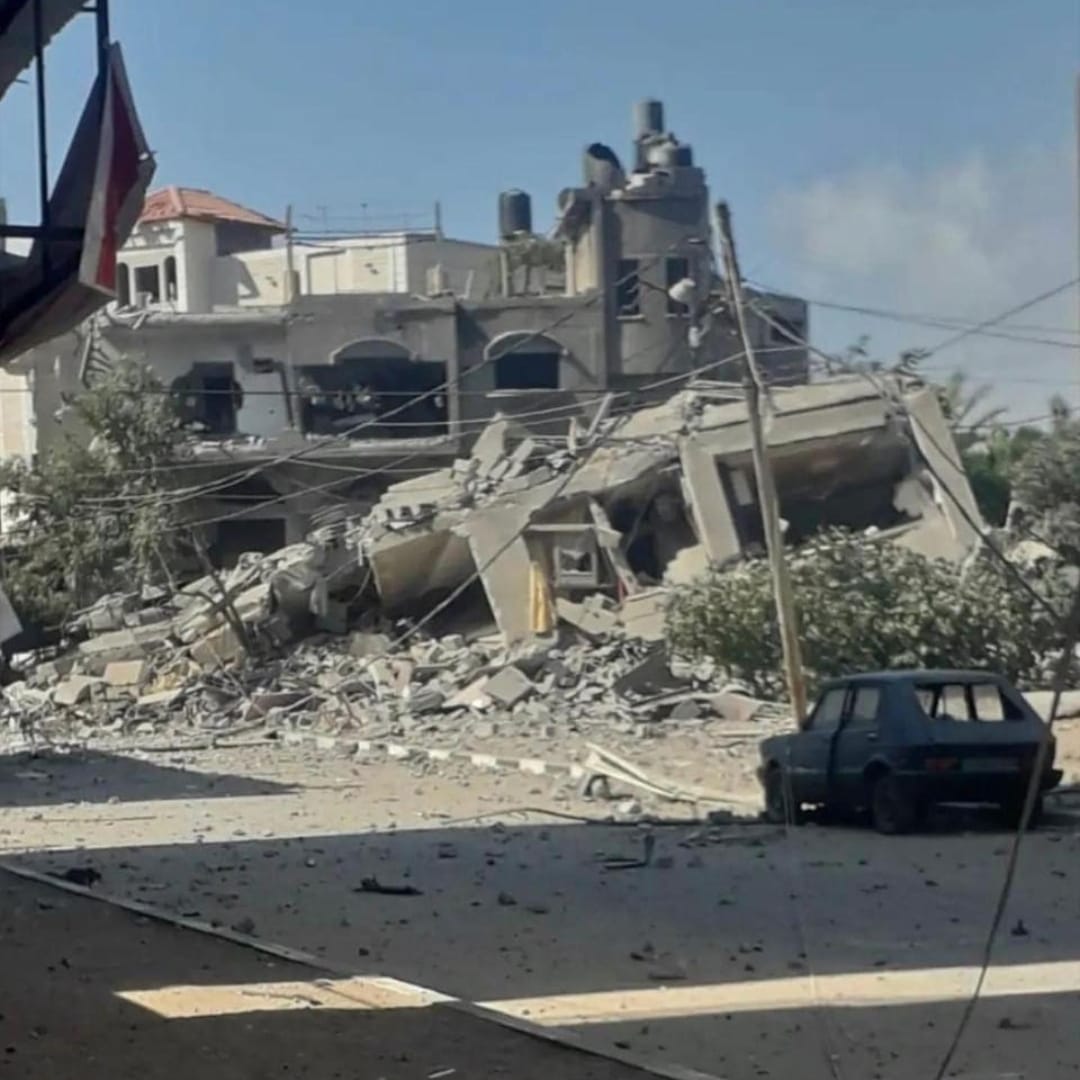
[
  {"x": 532, "y": 576},
  {"x": 590, "y": 530},
  {"x": 329, "y": 365}
]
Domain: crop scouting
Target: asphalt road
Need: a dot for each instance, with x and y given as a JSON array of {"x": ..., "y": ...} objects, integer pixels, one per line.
[{"x": 739, "y": 951}]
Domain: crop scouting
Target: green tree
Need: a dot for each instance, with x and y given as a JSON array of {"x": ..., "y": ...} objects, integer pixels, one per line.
[
  {"x": 865, "y": 606},
  {"x": 93, "y": 513},
  {"x": 1047, "y": 487}
]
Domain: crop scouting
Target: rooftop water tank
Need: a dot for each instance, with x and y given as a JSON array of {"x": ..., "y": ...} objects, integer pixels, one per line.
[
  {"x": 515, "y": 213},
  {"x": 648, "y": 118}
]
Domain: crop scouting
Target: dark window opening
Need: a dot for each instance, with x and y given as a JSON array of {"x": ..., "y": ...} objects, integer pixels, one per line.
[
  {"x": 123, "y": 285},
  {"x": 172, "y": 289},
  {"x": 783, "y": 331},
  {"x": 526, "y": 361},
  {"x": 655, "y": 533},
  {"x": 263, "y": 365},
  {"x": 677, "y": 269},
  {"x": 628, "y": 289},
  {"x": 854, "y": 488},
  {"x": 527, "y": 371},
  {"x": 240, "y": 535},
  {"x": 148, "y": 284},
  {"x": 208, "y": 398},
  {"x": 374, "y": 390}
]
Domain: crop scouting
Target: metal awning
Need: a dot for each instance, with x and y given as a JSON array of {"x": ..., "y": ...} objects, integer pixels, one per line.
[{"x": 17, "y": 32}]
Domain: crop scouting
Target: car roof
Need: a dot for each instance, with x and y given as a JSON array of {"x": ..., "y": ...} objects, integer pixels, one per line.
[{"x": 927, "y": 675}]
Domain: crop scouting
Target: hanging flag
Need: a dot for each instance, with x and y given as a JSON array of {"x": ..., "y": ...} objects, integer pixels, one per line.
[{"x": 121, "y": 176}]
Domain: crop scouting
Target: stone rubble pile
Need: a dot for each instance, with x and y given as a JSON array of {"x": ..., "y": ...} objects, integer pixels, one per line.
[
  {"x": 563, "y": 633},
  {"x": 156, "y": 662}
]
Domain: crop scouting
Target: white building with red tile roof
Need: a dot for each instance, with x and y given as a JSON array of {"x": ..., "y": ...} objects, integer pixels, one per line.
[{"x": 193, "y": 251}]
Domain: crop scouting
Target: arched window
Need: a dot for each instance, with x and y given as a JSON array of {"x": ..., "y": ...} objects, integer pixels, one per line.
[
  {"x": 123, "y": 285},
  {"x": 374, "y": 388},
  {"x": 172, "y": 289},
  {"x": 525, "y": 361}
]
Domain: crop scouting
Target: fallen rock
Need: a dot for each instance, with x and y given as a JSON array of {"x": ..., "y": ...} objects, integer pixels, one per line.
[
  {"x": 126, "y": 672},
  {"x": 74, "y": 690},
  {"x": 508, "y": 687}
]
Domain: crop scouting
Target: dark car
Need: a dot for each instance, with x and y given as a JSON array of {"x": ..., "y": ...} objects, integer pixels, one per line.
[{"x": 897, "y": 742}]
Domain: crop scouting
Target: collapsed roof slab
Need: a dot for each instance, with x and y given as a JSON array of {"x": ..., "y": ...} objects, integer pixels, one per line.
[{"x": 410, "y": 566}]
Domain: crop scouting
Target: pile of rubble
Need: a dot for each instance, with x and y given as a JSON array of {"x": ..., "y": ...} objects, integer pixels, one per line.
[
  {"x": 542, "y": 567},
  {"x": 194, "y": 661}
]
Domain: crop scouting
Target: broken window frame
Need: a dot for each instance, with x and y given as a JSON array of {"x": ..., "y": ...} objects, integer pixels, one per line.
[
  {"x": 676, "y": 269},
  {"x": 202, "y": 405},
  {"x": 172, "y": 287},
  {"x": 123, "y": 285},
  {"x": 782, "y": 330},
  {"x": 140, "y": 277},
  {"x": 628, "y": 289}
]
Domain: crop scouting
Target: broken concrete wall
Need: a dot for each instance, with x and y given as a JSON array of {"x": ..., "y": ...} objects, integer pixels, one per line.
[
  {"x": 409, "y": 567},
  {"x": 954, "y": 497},
  {"x": 506, "y": 566}
]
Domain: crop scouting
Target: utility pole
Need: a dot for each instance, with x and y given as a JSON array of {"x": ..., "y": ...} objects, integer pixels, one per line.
[
  {"x": 292, "y": 401},
  {"x": 766, "y": 484}
]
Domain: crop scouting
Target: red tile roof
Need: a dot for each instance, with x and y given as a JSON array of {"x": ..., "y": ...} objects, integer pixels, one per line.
[{"x": 171, "y": 203}]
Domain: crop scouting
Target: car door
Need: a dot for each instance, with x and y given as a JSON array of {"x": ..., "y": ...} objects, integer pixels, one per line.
[
  {"x": 855, "y": 744},
  {"x": 812, "y": 748}
]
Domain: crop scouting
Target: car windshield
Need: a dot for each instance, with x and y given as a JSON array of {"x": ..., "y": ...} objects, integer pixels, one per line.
[{"x": 980, "y": 701}]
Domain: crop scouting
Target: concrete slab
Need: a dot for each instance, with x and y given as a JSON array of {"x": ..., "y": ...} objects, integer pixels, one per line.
[
  {"x": 508, "y": 686},
  {"x": 126, "y": 672},
  {"x": 75, "y": 690}
]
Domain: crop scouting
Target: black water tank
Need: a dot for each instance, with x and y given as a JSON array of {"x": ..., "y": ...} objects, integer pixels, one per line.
[
  {"x": 515, "y": 213},
  {"x": 648, "y": 118}
]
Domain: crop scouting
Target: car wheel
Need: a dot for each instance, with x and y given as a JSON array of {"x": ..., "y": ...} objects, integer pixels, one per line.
[
  {"x": 1013, "y": 810},
  {"x": 780, "y": 807},
  {"x": 892, "y": 810}
]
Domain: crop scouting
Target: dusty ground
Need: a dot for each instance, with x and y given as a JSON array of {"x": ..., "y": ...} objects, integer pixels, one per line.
[
  {"x": 81, "y": 990},
  {"x": 701, "y": 957}
]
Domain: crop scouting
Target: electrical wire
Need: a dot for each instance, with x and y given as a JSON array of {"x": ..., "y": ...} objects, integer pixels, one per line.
[
  {"x": 519, "y": 344},
  {"x": 950, "y": 323}
]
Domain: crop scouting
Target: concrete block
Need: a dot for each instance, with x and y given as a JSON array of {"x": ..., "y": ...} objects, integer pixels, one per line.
[
  {"x": 736, "y": 708},
  {"x": 74, "y": 691},
  {"x": 160, "y": 699},
  {"x": 595, "y": 623},
  {"x": 423, "y": 699},
  {"x": 218, "y": 647},
  {"x": 115, "y": 645},
  {"x": 644, "y": 616},
  {"x": 508, "y": 687},
  {"x": 126, "y": 672},
  {"x": 393, "y": 673},
  {"x": 471, "y": 696},
  {"x": 262, "y": 703},
  {"x": 253, "y": 605}
]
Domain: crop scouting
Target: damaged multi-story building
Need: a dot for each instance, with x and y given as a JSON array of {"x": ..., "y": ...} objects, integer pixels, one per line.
[
  {"x": 314, "y": 371},
  {"x": 595, "y": 529}
]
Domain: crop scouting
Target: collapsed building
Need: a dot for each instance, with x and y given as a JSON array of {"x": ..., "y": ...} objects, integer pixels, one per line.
[
  {"x": 531, "y": 577},
  {"x": 309, "y": 370},
  {"x": 633, "y": 504}
]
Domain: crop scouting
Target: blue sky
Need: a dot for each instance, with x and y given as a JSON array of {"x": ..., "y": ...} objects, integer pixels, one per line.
[{"x": 917, "y": 157}]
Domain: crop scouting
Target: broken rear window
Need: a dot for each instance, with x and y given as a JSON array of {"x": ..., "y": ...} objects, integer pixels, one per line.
[{"x": 978, "y": 701}]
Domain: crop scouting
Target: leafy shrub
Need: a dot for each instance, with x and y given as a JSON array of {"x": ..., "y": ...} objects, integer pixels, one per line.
[{"x": 865, "y": 606}]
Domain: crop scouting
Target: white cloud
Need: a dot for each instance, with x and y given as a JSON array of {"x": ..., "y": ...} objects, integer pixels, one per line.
[{"x": 968, "y": 239}]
